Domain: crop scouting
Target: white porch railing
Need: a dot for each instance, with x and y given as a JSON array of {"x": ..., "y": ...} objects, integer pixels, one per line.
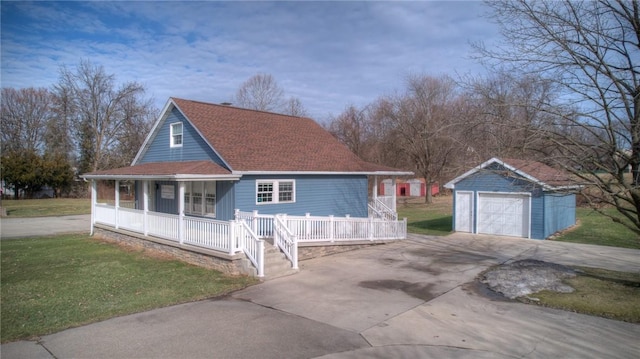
[
  {"x": 284, "y": 239},
  {"x": 209, "y": 233},
  {"x": 245, "y": 233},
  {"x": 163, "y": 225},
  {"x": 105, "y": 214},
  {"x": 329, "y": 229},
  {"x": 261, "y": 224},
  {"x": 229, "y": 237}
]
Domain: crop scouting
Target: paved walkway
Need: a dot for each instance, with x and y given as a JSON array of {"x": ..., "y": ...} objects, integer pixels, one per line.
[
  {"x": 405, "y": 299},
  {"x": 43, "y": 226}
]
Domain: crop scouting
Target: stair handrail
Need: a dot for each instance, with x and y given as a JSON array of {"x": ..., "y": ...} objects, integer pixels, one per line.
[
  {"x": 284, "y": 239},
  {"x": 251, "y": 245},
  {"x": 384, "y": 211}
]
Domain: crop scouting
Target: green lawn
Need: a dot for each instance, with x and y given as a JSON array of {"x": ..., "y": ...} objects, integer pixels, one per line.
[
  {"x": 46, "y": 207},
  {"x": 594, "y": 228},
  {"x": 430, "y": 219},
  {"x": 52, "y": 283}
]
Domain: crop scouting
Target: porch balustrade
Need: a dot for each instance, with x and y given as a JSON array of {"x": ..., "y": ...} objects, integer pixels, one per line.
[
  {"x": 229, "y": 237},
  {"x": 244, "y": 233},
  {"x": 329, "y": 229}
]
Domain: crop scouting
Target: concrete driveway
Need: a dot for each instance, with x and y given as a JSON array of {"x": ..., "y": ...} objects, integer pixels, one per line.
[
  {"x": 44, "y": 226},
  {"x": 409, "y": 299}
]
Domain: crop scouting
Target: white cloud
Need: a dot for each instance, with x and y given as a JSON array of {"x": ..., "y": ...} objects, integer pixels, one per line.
[{"x": 328, "y": 54}]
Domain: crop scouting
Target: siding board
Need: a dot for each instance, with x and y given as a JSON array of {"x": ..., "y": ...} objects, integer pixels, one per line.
[
  {"x": 193, "y": 148},
  {"x": 315, "y": 194}
]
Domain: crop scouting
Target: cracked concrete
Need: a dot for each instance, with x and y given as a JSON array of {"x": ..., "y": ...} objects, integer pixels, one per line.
[{"x": 406, "y": 299}]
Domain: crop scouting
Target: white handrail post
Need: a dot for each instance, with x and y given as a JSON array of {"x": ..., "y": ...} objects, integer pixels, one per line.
[
  {"x": 254, "y": 223},
  {"x": 260, "y": 258},
  {"x": 94, "y": 199},
  {"x": 145, "y": 207},
  {"x": 117, "y": 201},
  {"x": 294, "y": 255},
  {"x": 307, "y": 225},
  {"x": 236, "y": 213},
  {"x": 232, "y": 236},
  {"x": 331, "y": 228},
  {"x": 181, "y": 190}
]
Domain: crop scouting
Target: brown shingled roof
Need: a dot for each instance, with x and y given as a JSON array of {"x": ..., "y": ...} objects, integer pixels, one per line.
[
  {"x": 168, "y": 169},
  {"x": 250, "y": 140},
  {"x": 549, "y": 175}
]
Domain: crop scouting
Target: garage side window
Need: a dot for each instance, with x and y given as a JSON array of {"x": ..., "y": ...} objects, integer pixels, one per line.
[{"x": 272, "y": 191}]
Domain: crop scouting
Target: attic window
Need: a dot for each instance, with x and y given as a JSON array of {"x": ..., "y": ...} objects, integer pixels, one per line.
[{"x": 176, "y": 134}]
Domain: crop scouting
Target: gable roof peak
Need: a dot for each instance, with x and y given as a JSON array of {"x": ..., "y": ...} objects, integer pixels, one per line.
[
  {"x": 228, "y": 105},
  {"x": 546, "y": 176}
]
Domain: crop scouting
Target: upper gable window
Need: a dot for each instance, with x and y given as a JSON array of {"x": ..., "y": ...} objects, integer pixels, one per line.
[{"x": 176, "y": 134}]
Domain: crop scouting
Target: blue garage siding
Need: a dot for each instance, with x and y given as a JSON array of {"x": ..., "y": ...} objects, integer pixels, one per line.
[
  {"x": 494, "y": 182},
  {"x": 193, "y": 148},
  {"x": 560, "y": 210},
  {"x": 318, "y": 195}
]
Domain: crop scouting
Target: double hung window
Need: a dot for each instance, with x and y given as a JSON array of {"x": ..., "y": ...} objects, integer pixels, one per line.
[
  {"x": 200, "y": 198},
  {"x": 275, "y": 191},
  {"x": 176, "y": 134}
]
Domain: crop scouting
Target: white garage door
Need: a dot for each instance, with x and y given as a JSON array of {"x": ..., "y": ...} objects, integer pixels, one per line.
[{"x": 503, "y": 214}]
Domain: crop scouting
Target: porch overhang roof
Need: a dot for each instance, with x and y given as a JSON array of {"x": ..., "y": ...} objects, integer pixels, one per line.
[{"x": 175, "y": 171}]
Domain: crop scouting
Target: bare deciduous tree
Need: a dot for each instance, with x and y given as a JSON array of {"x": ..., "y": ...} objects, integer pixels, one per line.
[
  {"x": 260, "y": 92},
  {"x": 510, "y": 111},
  {"x": 101, "y": 114},
  {"x": 294, "y": 107},
  {"x": 25, "y": 113},
  {"x": 350, "y": 127},
  {"x": 426, "y": 125},
  {"x": 591, "y": 49}
]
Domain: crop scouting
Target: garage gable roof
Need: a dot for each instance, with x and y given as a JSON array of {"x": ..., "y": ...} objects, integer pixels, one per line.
[{"x": 548, "y": 177}]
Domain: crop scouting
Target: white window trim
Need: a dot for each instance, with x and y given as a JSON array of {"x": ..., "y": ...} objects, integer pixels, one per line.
[
  {"x": 276, "y": 191},
  {"x": 203, "y": 212},
  {"x": 171, "y": 143}
]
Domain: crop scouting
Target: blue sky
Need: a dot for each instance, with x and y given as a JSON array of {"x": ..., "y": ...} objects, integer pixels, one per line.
[{"x": 327, "y": 54}]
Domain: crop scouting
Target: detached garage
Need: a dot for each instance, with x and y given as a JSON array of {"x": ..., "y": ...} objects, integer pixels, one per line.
[{"x": 513, "y": 198}]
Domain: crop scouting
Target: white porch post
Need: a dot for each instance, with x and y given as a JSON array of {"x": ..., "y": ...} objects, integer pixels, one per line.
[
  {"x": 94, "y": 199},
  {"x": 145, "y": 206},
  {"x": 117, "y": 200},
  {"x": 375, "y": 188},
  {"x": 181, "y": 188},
  {"x": 393, "y": 195}
]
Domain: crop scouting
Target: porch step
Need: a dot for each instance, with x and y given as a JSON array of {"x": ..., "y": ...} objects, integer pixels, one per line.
[{"x": 276, "y": 263}]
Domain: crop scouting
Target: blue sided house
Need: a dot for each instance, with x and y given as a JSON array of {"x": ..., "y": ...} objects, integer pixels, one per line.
[
  {"x": 204, "y": 167},
  {"x": 513, "y": 197}
]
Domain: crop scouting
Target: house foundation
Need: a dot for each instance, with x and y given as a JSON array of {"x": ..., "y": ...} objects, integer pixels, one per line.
[
  {"x": 228, "y": 264},
  {"x": 234, "y": 265}
]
